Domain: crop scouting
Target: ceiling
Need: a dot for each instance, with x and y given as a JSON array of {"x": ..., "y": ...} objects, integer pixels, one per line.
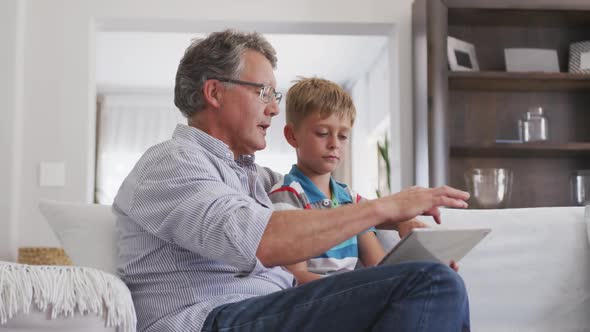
[{"x": 149, "y": 60}]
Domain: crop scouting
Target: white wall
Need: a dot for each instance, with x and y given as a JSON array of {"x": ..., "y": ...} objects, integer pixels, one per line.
[
  {"x": 10, "y": 89},
  {"x": 58, "y": 96},
  {"x": 402, "y": 139},
  {"x": 7, "y": 97},
  {"x": 372, "y": 101}
]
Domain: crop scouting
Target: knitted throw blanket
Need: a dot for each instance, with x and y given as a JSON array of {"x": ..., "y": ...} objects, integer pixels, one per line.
[{"x": 65, "y": 290}]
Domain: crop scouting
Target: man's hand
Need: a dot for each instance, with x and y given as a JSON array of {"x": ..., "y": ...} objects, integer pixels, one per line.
[{"x": 416, "y": 201}]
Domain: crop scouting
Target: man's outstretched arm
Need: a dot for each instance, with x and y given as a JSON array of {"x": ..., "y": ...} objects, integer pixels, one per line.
[{"x": 295, "y": 236}]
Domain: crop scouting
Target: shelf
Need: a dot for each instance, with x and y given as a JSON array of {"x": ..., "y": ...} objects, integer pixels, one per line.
[
  {"x": 512, "y": 81},
  {"x": 471, "y": 109},
  {"x": 557, "y": 15},
  {"x": 522, "y": 150}
]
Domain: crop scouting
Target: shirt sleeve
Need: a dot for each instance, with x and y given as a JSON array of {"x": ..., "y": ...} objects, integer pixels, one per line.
[
  {"x": 288, "y": 197},
  {"x": 187, "y": 203},
  {"x": 269, "y": 177}
]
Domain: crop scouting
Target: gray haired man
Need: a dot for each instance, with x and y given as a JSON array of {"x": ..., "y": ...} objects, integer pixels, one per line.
[{"x": 201, "y": 248}]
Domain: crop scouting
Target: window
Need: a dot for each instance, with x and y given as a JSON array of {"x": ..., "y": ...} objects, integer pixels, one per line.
[{"x": 127, "y": 125}]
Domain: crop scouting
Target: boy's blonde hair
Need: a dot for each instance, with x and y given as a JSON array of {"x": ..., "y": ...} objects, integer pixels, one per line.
[{"x": 317, "y": 95}]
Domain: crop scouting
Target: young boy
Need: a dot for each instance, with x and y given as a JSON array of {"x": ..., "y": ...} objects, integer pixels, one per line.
[{"x": 320, "y": 115}]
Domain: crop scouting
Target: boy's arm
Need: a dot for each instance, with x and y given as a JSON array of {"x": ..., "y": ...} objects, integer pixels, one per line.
[
  {"x": 302, "y": 274},
  {"x": 370, "y": 250}
]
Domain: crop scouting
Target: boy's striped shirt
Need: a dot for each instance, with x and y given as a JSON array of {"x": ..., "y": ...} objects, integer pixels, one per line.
[{"x": 297, "y": 191}]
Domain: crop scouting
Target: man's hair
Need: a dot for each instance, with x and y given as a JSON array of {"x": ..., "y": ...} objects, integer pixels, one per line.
[
  {"x": 218, "y": 55},
  {"x": 317, "y": 95}
]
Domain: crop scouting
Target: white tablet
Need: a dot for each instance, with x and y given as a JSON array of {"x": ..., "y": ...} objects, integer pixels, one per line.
[{"x": 441, "y": 245}]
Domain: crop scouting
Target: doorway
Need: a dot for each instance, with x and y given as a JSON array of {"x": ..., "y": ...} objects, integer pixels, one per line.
[{"x": 135, "y": 73}]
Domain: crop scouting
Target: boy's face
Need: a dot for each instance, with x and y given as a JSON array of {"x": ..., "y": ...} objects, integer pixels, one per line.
[{"x": 320, "y": 143}]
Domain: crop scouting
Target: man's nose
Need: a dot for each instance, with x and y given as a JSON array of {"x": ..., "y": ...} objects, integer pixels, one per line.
[{"x": 272, "y": 108}]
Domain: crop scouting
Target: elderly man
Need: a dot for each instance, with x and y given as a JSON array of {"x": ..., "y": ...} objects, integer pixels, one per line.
[{"x": 201, "y": 249}]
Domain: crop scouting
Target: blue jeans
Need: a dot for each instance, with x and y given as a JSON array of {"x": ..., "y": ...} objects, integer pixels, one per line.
[{"x": 415, "y": 296}]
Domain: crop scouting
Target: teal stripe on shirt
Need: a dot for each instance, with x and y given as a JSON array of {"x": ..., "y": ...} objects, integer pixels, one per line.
[{"x": 341, "y": 253}]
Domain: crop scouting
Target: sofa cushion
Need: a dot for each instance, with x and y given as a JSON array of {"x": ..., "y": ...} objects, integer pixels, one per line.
[
  {"x": 86, "y": 231},
  {"x": 531, "y": 273}
]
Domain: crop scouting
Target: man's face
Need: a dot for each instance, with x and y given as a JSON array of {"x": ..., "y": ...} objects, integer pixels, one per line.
[
  {"x": 321, "y": 143},
  {"x": 245, "y": 117}
]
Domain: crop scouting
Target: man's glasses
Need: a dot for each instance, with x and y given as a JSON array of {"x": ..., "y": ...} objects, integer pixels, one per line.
[{"x": 267, "y": 92}]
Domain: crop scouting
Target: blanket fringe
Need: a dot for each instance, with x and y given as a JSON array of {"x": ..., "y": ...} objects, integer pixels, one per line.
[{"x": 65, "y": 290}]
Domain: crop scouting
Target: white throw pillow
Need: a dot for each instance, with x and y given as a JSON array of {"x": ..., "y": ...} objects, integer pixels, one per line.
[{"x": 86, "y": 231}]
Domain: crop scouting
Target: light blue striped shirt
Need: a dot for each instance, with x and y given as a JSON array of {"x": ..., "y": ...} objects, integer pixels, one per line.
[{"x": 190, "y": 219}]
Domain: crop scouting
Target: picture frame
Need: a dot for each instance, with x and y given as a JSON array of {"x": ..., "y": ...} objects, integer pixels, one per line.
[
  {"x": 579, "y": 61},
  {"x": 461, "y": 55},
  {"x": 531, "y": 60}
]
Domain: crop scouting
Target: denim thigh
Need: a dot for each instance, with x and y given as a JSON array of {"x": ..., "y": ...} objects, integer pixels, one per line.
[{"x": 416, "y": 296}]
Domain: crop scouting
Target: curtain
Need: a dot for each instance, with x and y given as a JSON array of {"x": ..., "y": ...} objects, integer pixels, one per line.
[{"x": 127, "y": 125}]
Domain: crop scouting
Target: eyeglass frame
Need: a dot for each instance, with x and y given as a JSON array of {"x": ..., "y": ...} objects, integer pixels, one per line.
[{"x": 278, "y": 96}]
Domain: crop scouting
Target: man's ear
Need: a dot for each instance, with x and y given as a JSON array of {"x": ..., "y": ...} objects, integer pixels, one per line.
[
  {"x": 289, "y": 133},
  {"x": 213, "y": 93}
]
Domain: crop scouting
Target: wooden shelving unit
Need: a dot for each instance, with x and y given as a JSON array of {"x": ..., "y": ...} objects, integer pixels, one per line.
[
  {"x": 522, "y": 150},
  {"x": 459, "y": 116},
  {"x": 506, "y": 81}
]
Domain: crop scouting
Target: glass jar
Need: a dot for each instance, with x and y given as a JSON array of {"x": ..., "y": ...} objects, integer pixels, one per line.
[
  {"x": 580, "y": 181},
  {"x": 533, "y": 126}
]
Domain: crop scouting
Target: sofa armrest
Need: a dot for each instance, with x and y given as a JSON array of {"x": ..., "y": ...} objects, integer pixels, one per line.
[
  {"x": 65, "y": 291},
  {"x": 532, "y": 273}
]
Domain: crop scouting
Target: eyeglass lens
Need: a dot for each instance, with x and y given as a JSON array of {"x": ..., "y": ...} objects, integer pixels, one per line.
[{"x": 268, "y": 93}]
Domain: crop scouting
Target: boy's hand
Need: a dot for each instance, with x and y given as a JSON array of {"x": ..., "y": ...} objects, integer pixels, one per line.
[
  {"x": 454, "y": 266},
  {"x": 405, "y": 227}
]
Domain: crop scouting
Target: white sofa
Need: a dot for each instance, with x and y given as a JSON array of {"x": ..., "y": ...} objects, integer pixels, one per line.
[
  {"x": 87, "y": 297},
  {"x": 532, "y": 273}
]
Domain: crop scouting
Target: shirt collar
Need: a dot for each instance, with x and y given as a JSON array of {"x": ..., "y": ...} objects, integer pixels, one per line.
[
  {"x": 314, "y": 194},
  {"x": 212, "y": 144},
  {"x": 245, "y": 160}
]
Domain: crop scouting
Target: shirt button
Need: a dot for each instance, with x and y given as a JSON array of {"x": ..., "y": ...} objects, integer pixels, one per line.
[{"x": 326, "y": 202}]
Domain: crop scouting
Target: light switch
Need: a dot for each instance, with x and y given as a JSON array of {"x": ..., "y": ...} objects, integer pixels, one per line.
[{"x": 52, "y": 174}]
